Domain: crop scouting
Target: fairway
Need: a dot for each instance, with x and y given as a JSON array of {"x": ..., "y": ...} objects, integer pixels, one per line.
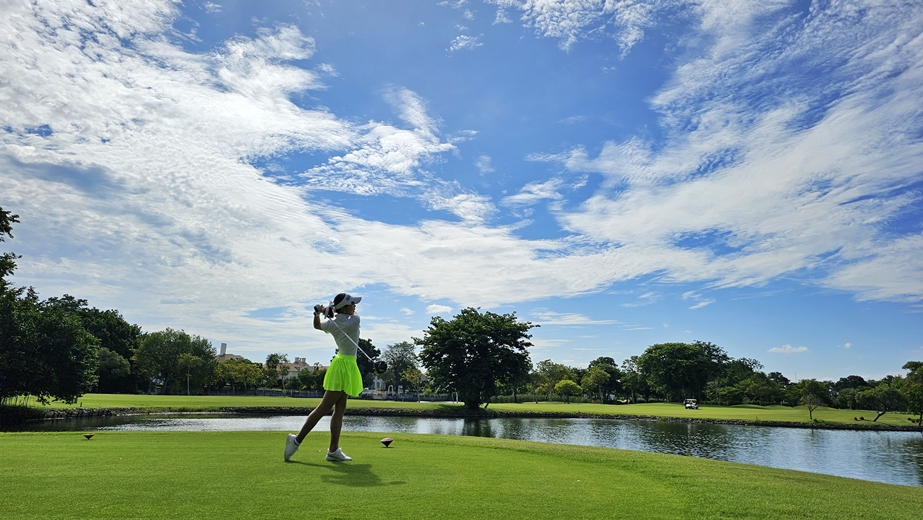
[{"x": 241, "y": 475}]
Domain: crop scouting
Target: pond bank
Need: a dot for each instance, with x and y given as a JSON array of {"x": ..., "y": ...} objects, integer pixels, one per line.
[{"x": 458, "y": 413}]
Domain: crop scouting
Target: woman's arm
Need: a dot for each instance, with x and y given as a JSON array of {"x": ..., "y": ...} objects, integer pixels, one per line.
[{"x": 317, "y": 317}]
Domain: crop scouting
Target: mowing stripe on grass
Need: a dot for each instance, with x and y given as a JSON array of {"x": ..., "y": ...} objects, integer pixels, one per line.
[{"x": 241, "y": 474}]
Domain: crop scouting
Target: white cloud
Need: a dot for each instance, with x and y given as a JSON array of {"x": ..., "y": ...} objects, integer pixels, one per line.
[
  {"x": 545, "y": 343},
  {"x": 406, "y": 311},
  {"x": 141, "y": 189},
  {"x": 385, "y": 159},
  {"x": 438, "y": 309},
  {"x": 702, "y": 302},
  {"x": 572, "y": 20},
  {"x": 464, "y": 42},
  {"x": 212, "y": 7},
  {"x": 545, "y": 317},
  {"x": 647, "y": 298},
  {"x": 483, "y": 164},
  {"x": 535, "y": 192},
  {"x": 788, "y": 349},
  {"x": 743, "y": 192},
  {"x": 467, "y": 206},
  {"x": 847, "y": 345}
]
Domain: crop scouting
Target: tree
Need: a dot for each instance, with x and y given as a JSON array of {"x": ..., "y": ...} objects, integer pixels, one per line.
[
  {"x": 365, "y": 366},
  {"x": 633, "y": 380},
  {"x": 812, "y": 392},
  {"x": 883, "y": 397},
  {"x": 238, "y": 371},
  {"x": 195, "y": 369},
  {"x": 596, "y": 378},
  {"x": 475, "y": 352},
  {"x": 112, "y": 368},
  {"x": 758, "y": 388},
  {"x": 777, "y": 377},
  {"x": 613, "y": 384},
  {"x": 400, "y": 357},
  {"x": 519, "y": 378},
  {"x": 911, "y": 389},
  {"x": 45, "y": 351},
  {"x": 276, "y": 369},
  {"x": 550, "y": 374},
  {"x": 158, "y": 358},
  {"x": 312, "y": 379},
  {"x": 680, "y": 370},
  {"x": 121, "y": 339},
  {"x": 115, "y": 335},
  {"x": 7, "y": 260},
  {"x": 414, "y": 378},
  {"x": 566, "y": 388}
]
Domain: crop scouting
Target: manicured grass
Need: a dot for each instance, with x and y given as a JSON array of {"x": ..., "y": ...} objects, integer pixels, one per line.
[
  {"x": 727, "y": 413},
  {"x": 241, "y": 475}
]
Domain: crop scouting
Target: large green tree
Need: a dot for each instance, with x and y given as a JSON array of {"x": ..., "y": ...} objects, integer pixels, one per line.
[
  {"x": 549, "y": 374},
  {"x": 276, "y": 369},
  {"x": 116, "y": 338},
  {"x": 911, "y": 389},
  {"x": 239, "y": 372},
  {"x": 612, "y": 384},
  {"x": 159, "y": 360},
  {"x": 681, "y": 370},
  {"x": 884, "y": 397},
  {"x": 400, "y": 358},
  {"x": 45, "y": 352},
  {"x": 814, "y": 394},
  {"x": 475, "y": 352},
  {"x": 121, "y": 339},
  {"x": 566, "y": 388},
  {"x": 634, "y": 381}
]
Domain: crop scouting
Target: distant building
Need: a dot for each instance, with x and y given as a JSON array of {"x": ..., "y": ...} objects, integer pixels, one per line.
[
  {"x": 224, "y": 356},
  {"x": 298, "y": 365}
]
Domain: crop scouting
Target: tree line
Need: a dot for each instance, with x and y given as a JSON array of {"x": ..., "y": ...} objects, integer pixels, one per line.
[
  {"x": 484, "y": 355},
  {"x": 60, "y": 348}
]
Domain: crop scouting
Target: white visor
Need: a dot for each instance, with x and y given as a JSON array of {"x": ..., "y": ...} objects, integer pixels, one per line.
[{"x": 348, "y": 300}]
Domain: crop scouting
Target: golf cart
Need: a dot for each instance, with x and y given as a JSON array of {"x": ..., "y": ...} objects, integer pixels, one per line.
[{"x": 691, "y": 404}]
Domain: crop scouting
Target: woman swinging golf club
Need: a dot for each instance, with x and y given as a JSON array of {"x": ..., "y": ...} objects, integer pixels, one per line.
[{"x": 342, "y": 379}]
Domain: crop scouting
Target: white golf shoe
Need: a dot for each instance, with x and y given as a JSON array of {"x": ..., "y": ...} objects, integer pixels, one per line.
[
  {"x": 338, "y": 456},
  {"x": 291, "y": 446}
]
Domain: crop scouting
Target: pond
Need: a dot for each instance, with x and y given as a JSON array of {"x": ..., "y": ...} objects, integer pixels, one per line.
[{"x": 890, "y": 457}]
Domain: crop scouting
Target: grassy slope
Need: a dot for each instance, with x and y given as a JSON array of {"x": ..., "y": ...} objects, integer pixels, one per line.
[
  {"x": 728, "y": 413},
  {"x": 241, "y": 475}
]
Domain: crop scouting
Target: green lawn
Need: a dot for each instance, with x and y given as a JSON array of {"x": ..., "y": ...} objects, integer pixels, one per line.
[
  {"x": 727, "y": 413},
  {"x": 241, "y": 475}
]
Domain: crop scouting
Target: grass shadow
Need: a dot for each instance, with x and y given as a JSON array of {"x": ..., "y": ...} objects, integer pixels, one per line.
[{"x": 349, "y": 474}]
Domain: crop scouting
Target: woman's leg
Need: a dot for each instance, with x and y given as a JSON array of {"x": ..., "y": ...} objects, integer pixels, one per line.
[
  {"x": 330, "y": 399},
  {"x": 336, "y": 421}
]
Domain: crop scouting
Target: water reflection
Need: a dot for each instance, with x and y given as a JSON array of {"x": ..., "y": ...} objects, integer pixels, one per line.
[{"x": 892, "y": 457}]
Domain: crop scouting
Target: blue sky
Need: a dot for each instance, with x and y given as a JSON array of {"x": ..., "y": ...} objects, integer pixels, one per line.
[{"x": 621, "y": 173}]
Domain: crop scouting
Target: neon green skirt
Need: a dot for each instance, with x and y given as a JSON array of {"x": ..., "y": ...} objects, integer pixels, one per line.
[{"x": 343, "y": 376}]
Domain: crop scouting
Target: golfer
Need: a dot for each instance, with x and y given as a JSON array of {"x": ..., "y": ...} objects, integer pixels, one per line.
[{"x": 342, "y": 379}]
